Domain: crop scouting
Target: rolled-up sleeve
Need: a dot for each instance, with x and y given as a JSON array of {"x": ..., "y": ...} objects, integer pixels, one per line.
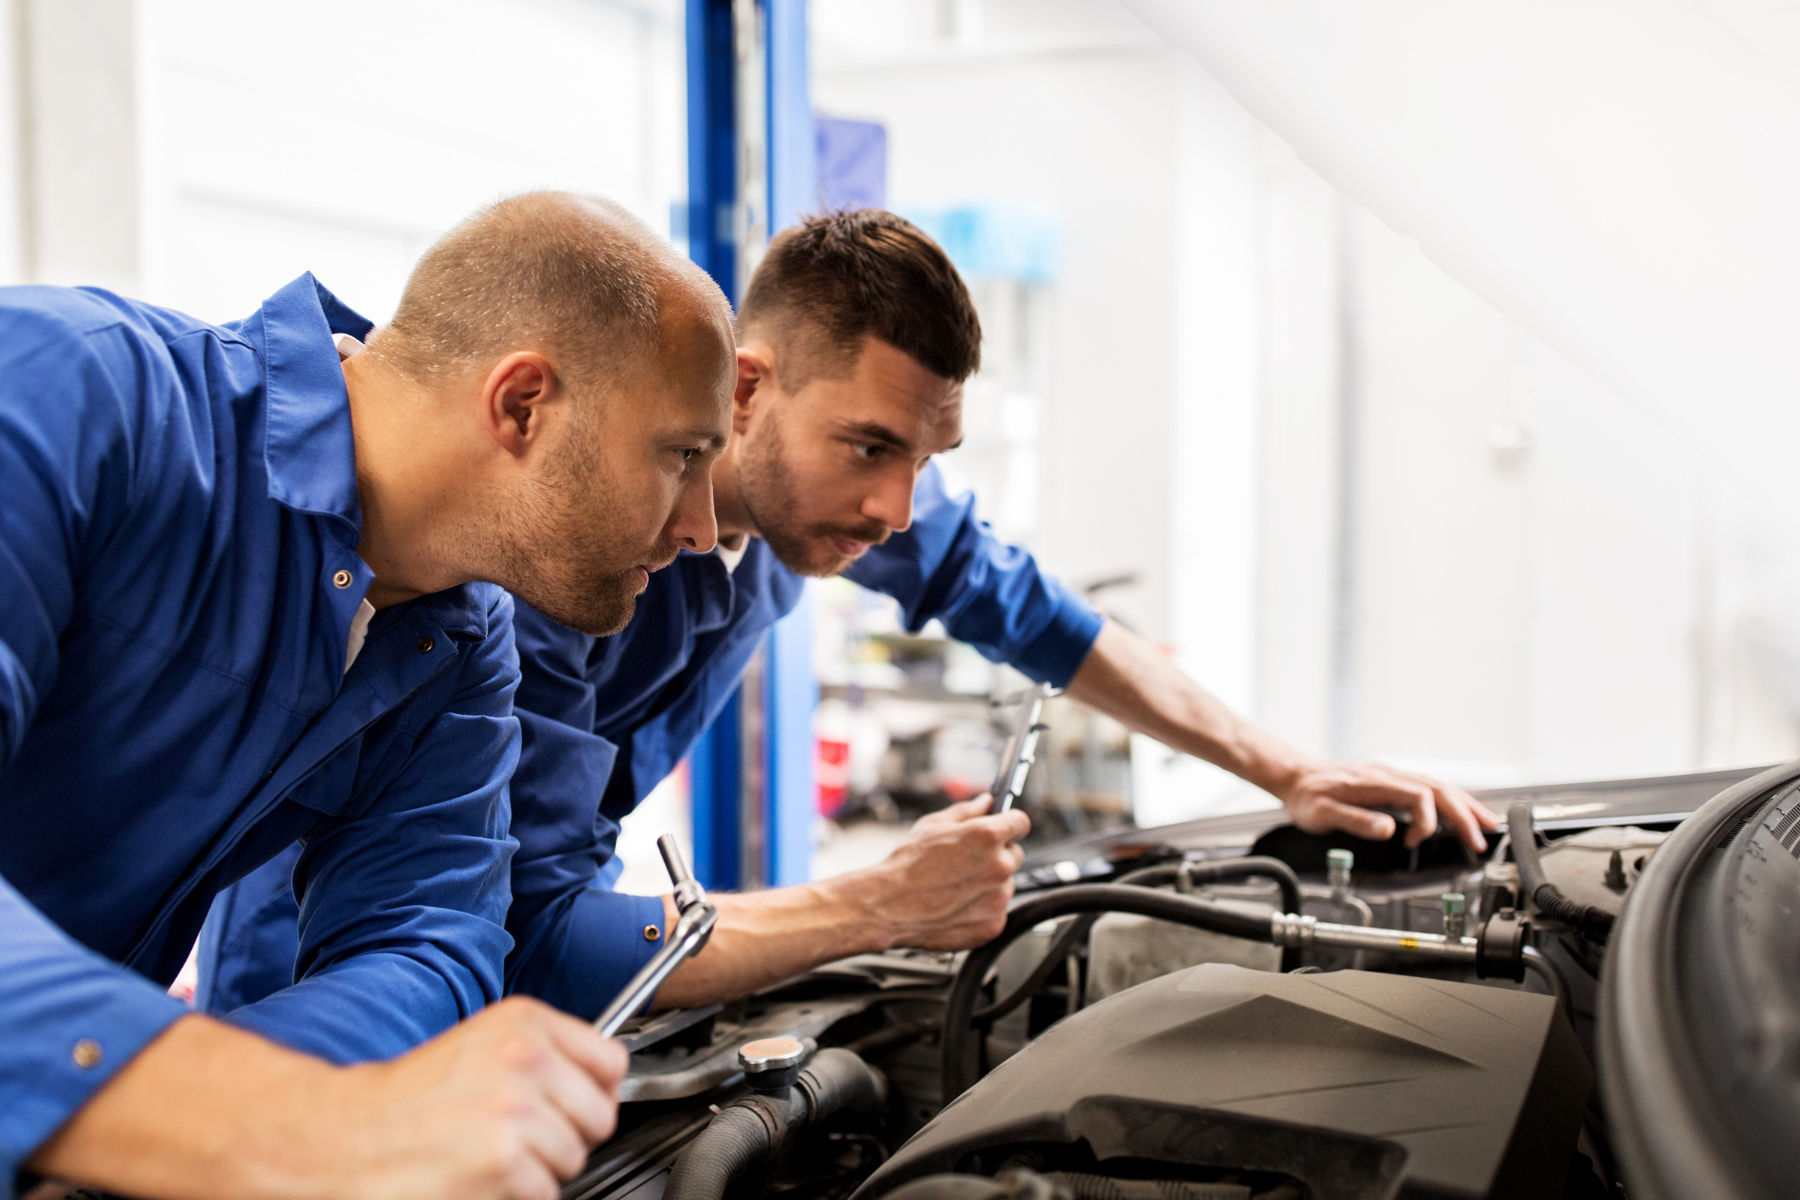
[
  {"x": 403, "y": 905},
  {"x": 950, "y": 566},
  {"x": 69, "y": 1019}
]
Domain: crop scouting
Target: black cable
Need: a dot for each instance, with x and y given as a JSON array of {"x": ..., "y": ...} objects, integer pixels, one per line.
[
  {"x": 1244, "y": 867},
  {"x": 1223, "y": 869},
  {"x": 1546, "y": 896},
  {"x": 961, "y": 1040},
  {"x": 1203, "y": 872},
  {"x": 890, "y": 1037},
  {"x": 1053, "y": 958}
]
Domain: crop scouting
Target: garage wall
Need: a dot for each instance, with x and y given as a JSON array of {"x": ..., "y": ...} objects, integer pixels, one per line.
[
  {"x": 1366, "y": 508},
  {"x": 342, "y": 137}
]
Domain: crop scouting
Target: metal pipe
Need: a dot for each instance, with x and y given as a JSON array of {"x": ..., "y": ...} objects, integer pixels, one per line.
[{"x": 1303, "y": 933}]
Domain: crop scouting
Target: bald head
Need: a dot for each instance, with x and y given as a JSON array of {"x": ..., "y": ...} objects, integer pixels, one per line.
[{"x": 577, "y": 278}]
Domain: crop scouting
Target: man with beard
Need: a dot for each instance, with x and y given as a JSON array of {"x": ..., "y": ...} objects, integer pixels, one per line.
[
  {"x": 853, "y": 344},
  {"x": 251, "y": 597}
]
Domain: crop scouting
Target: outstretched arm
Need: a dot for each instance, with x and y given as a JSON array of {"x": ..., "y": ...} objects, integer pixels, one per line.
[
  {"x": 945, "y": 888},
  {"x": 1132, "y": 681}
]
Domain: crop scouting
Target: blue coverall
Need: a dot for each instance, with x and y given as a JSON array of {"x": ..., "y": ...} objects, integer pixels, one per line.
[
  {"x": 178, "y": 573},
  {"x": 605, "y": 719}
]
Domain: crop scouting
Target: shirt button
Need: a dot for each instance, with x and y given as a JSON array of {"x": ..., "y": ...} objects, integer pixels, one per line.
[
  {"x": 341, "y": 579},
  {"x": 425, "y": 645},
  {"x": 87, "y": 1053},
  {"x": 651, "y": 933}
]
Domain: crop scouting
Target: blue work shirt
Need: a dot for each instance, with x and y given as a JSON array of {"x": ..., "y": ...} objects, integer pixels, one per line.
[
  {"x": 178, "y": 529},
  {"x": 605, "y": 719}
]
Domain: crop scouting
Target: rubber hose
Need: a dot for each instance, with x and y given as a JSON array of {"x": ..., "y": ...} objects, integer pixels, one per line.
[
  {"x": 1211, "y": 872},
  {"x": 739, "y": 1139},
  {"x": 1223, "y": 869},
  {"x": 747, "y": 1133},
  {"x": 1053, "y": 958},
  {"x": 838, "y": 1079},
  {"x": 949, "y": 1187},
  {"x": 1015, "y": 1184},
  {"x": 1245, "y": 867},
  {"x": 890, "y": 1037},
  {"x": 960, "y": 1041},
  {"x": 1546, "y": 896}
]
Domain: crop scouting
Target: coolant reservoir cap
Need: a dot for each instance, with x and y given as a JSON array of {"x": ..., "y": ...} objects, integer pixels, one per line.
[
  {"x": 770, "y": 1054},
  {"x": 1343, "y": 860}
]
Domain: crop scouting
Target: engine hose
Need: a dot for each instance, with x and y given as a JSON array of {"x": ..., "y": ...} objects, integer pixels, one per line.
[
  {"x": 961, "y": 1041},
  {"x": 1223, "y": 869},
  {"x": 1546, "y": 896},
  {"x": 1059, "y": 950},
  {"x": 741, "y": 1137},
  {"x": 1205, "y": 872},
  {"x": 1246, "y": 867},
  {"x": 748, "y": 1133}
]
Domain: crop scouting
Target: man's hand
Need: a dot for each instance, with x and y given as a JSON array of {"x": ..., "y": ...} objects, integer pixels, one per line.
[
  {"x": 505, "y": 1105},
  {"x": 946, "y": 887},
  {"x": 1134, "y": 682},
  {"x": 499, "y": 1108},
  {"x": 1326, "y": 796}
]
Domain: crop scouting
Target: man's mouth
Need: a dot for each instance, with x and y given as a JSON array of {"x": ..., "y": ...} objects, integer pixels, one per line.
[
  {"x": 640, "y": 574},
  {"x": 848, "y": 547}
]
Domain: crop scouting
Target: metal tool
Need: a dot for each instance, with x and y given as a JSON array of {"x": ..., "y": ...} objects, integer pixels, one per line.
[
  {"x": 692, "y": 927},
  {"x": 1021, "y": 749}
]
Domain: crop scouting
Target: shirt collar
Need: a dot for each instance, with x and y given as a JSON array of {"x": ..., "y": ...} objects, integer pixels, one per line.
[
  {"x": 463, "y": 610},
  {"x": 731, "y": 558},
  {"x": 310, "y": 451}
]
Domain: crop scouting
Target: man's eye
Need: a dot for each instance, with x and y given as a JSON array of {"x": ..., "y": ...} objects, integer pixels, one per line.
[
  {"x": 866, "y": 449},
  {"x": 689, "y": 453}
]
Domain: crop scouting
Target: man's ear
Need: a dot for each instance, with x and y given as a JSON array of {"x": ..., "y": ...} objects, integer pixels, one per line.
[
  {"x": 756, "y": 385},
  {"x": 513, "y": 398}
]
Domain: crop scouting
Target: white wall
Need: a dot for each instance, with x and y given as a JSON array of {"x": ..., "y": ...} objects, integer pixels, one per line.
[
  {"x": 342, "y": 137},
  {"x": 1518, "y": 577},
  {"x": 1111, "y": 365}
]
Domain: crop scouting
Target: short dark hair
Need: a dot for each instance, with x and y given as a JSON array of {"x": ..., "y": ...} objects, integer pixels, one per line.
[{"x": 826, "y": 283}]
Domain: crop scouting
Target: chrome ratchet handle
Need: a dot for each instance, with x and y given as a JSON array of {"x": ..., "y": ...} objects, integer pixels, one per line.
[
  {"x": 692, "y": 927},
  {"x": 1021, "y": 749}
]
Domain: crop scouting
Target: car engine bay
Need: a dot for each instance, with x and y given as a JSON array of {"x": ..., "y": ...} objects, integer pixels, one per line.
[{"x": 1232, "y": 1009}]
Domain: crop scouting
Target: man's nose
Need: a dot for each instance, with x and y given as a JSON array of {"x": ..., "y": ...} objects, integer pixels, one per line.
[
  {"x": 692, "y": 525},
  {"x": 891, "y": 502}
]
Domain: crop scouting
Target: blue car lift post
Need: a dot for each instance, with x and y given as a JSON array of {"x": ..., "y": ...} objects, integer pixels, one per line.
[{"x": 751, "y": 170}]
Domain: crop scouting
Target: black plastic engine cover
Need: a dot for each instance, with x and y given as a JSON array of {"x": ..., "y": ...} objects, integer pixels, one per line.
[{"x": 1365, "y": 1086}]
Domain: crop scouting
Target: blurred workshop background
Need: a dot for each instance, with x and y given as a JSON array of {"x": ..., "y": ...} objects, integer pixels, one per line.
[{"x": 1252, "y": 421}]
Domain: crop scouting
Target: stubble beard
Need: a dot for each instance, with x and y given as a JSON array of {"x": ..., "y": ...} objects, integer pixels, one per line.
[
  {"x": 767, "y": 492},
  {"x": 560, "y": 555}
]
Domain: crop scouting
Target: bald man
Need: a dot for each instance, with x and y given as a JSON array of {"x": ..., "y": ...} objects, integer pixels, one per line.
[{"x": 253, "y": 584}]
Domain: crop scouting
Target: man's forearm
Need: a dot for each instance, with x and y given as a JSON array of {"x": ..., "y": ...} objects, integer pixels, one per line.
[
  {"x": 764, "y": 937},
  {"x": 1130, "y": 680},
  {"x": 946, "y": 887},
  {"x": 505, "y": 1104},
  {"x": 179, "y": 1120}
]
